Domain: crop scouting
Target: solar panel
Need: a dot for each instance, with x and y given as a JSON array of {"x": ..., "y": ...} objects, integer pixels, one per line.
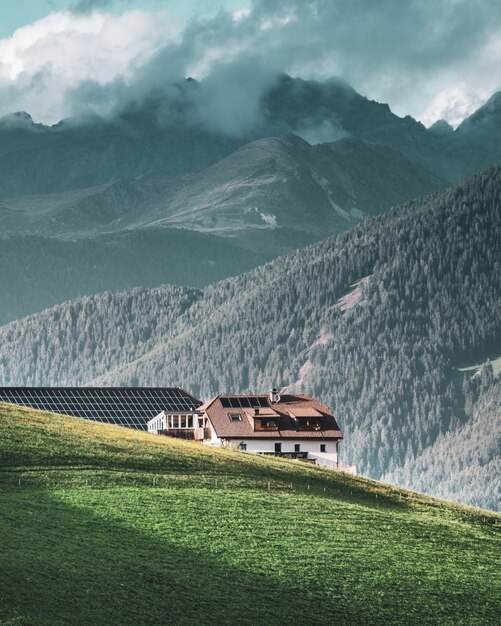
[
  {"x": 244, "y": 402},
  {"x": 126, "y": 406}
]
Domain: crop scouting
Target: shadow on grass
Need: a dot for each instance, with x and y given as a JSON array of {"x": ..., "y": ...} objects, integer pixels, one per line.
[{"x": 65, "y": 565}]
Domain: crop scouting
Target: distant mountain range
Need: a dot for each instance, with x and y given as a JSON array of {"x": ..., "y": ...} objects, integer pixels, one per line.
[
  {"x": 379, "y": 322},
  {"x": 146, "y": 197},
  {"x": 265, "y": 199},
  {"x": 85, "y": 152}
]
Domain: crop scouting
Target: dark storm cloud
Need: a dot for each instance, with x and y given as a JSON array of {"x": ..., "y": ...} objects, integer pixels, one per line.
[{"x": 390, "y": 50}]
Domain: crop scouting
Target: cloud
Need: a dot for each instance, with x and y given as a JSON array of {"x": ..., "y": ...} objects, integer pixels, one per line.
[
  {"x": 428, "y": 59},
  {"x": 87, "y": 6},
  {"x": 403, "y": 53},
  {"x": 454, "y": 104},
  {"x": 40, "y": 63}
]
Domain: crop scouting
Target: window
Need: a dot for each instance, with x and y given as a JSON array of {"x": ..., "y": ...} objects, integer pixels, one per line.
[
  {"x": 323, "y": 447},
  {"x": 297, "y": 447},
  {"x": 278, "y": 448},
  {"x": 235, "y": 417},
  {"x": 269, "y": 423}
]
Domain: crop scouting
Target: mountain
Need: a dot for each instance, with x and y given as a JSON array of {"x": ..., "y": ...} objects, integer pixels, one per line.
[
  {"x": 269, "y": 183},
  {"x": 477, "y": 138},
  {"x": 274, "y": 541},
  {"x": 84, "y": 152},
  {"x": 286, "y": 183},
  {"x": 266, "y": 199},
  {"x": 376, "y": 322}
]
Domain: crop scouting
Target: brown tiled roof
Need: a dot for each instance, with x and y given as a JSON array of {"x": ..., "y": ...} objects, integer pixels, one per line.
[
  {"x": 289, "y": 406},
  {"x": 304, "y": 411},
  {"x": 261, "y": 412}
]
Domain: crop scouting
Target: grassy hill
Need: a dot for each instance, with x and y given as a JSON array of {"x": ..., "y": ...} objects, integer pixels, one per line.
[{"x": 104, "y": 525}]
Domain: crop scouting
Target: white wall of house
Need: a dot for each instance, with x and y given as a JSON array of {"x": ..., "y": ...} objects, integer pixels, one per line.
[
  {"x": 328, "y": 458},
  {"x": 213, "y": 439},
  {"x": 288, "y": 445}
]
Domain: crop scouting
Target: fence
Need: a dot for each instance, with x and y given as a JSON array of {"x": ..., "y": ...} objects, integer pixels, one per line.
[{"x": 90, "y": 478}]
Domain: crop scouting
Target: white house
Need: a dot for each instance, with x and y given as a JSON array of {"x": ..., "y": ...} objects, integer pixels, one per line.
[{"x": 292, "y": 425}]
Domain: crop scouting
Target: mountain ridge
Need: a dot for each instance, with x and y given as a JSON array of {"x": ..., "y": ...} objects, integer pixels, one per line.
[
  {"x": 155, "y": 135},
  {"x": 260, "y": 199}
]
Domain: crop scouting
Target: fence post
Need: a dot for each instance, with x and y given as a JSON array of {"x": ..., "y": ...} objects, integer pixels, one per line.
[{"x": 269, "y": 485}]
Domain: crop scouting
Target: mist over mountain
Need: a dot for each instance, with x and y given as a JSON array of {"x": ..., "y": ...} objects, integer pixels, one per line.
[
  {"x": 378, "y": 322},
  {"x": 166, "y": 132}
]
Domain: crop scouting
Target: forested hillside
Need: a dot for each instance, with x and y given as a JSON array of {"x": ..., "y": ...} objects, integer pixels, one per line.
[
  {"x": 464, "y": 459},
  {"x": 89, "y": 336},
  {"x": 384, "y": 354},
  {"x": 39, "y": 272}
]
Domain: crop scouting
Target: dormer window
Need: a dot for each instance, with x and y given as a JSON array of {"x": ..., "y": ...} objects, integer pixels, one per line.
[
  {"x": 266, "y": 422},
  {"x": 269, "y": 423},
  {"x": 309, "y": 423}
]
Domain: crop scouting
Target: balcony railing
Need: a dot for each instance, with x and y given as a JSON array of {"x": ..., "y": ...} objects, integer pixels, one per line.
[
  {"x": 187, "y": 433},
  {"x": 300, "y": 456}
]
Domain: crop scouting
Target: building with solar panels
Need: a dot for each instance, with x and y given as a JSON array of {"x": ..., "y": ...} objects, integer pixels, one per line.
[
  {"x": 295, "y": 426},
  {"x": 124, "y": 406}
]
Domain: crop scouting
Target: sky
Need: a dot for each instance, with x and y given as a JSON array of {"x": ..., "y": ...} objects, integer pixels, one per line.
[{"x": 431, "y": 59}]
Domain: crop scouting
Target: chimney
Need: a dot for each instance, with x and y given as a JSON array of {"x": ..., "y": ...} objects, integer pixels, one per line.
[{"x": 274, "y": 396}]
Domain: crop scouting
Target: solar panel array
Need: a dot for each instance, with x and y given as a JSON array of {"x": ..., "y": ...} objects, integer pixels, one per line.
[
  {"x": 244, "y": 402},
  {"x": 124, "y": 406}
]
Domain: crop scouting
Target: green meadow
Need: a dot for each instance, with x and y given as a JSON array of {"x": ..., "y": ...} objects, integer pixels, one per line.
[{"x": 104, "y": 525}]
